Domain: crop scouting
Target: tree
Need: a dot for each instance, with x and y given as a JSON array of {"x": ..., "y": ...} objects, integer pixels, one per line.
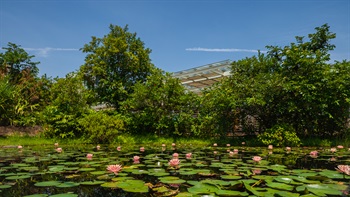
[
  {"x": 295, "y": 85},
  {"x": 114, "y": 64},
  {"x": 162, "y": 106},
  {"x": 16, "y": 63},
  {"x": 19, "y": 73},
  {"x": 68, "y": 102}
]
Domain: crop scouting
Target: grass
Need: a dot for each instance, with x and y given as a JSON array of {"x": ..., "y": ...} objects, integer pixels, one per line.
[{"x": 15, "y": 140}]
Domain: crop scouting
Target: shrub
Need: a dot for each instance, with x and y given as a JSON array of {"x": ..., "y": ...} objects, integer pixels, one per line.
[
  {"x": 58, "y": 124},
  {"x": 99, "y": 127},
  {"x": 280, "y": 135}
]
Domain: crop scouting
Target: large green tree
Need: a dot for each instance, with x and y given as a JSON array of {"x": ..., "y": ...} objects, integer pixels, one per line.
[
  {"x": 295, "y": 85},
  {"x": 114, "y": 63},
  {"x": 16, "y": 63}
]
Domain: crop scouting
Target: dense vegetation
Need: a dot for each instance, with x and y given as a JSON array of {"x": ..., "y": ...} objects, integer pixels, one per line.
[{"x": 288, "y": 93}]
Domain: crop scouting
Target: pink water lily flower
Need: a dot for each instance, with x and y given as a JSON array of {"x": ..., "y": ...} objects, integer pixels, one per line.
[
  {"x": 59, "y": 150},
  {"x": 228, "y": 145},
  {"x": 314, "y": 154},
  {"x": 188, "y": 155},
  {"x": 142, "y": 149},
  {"x": 89, "y": 156},
  {"x": 340, "y": 146},
  {"x": 98, "y": 147},
  {"x": 56, "y": 144},
  {"x": 175, "y": 155},
  {"x": 136, "y": 159},
  {"x": 119, "y": 148},
  {"x": 19, "y": 147},
  {"x": 288, "y": 148},
  {"x": 163, "y": 145},
  {"x": 231, "y": 153},
  {"x": 173, "y": 144},
  {"x": 215, "y": 144},
  {"x": 333, "y": 150},
  {"x": 257, "y": 159},
  {"x": 114, "y": 168},
  {"x": 270, "y": 147},
  {"x": 243, "y": 143},
  {"x": 344, "y": 169},
  {"x": 256, "y": 171},
  {"x": 174, "y": 162}
]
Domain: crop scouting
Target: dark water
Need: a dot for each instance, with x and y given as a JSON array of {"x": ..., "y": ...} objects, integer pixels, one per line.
[{"x": 44, "y": 157}]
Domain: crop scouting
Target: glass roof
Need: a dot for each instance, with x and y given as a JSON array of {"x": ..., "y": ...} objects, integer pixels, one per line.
[{"x": 198, "y": 78}]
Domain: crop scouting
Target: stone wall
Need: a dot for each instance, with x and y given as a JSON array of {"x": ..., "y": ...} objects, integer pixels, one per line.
[{"x": 13, "y": 130}]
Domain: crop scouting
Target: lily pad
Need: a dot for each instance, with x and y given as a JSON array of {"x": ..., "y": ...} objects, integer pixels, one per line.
[
  {"x": 203, "y": 188},
  {"x": 47, "y": 183},
  {"x": 137, "y": 186}
]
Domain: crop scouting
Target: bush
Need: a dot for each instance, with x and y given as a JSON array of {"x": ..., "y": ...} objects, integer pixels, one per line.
[
  {"x": 280, "y": 135},
  {"x": 58, "y": 124},
  {"x": 100, "y": 127}
]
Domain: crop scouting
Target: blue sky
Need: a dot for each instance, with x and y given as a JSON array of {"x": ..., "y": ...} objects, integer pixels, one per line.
[{"x": 181, "y": 33}]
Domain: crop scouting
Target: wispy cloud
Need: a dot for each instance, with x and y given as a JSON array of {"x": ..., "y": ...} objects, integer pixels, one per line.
[
  {"x": 223, "y": 50},
  {"x": 43, "y": 52}
]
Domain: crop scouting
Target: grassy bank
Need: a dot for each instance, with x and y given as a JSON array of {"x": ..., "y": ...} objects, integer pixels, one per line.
[{"x": 15, "y": 140}]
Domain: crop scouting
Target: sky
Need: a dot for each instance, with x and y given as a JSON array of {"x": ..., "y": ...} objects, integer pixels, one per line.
[{"x": 182, "y": 34}]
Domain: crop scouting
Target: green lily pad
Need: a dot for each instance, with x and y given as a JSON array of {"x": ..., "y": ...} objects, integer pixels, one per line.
[
  {"x": 18, "y": 177},
  {"x": 64, "y": 195},
  {"x": 109, "y": 184},
  {"x": 5, "y": 186},
  {"x": 230, "y": 177},
  {"x": 323, "y": 189},
  {"x": 68, "y": 184},
  {"x": 203, "y": 188},
  {"x": 47, "y": 183},
  {"x": 172, "y": 181},
  {"x": 91, "y": 182},
  {"x": 286, "y": 194},
  {"x": 231, "y": 193},
  {"x": 280, "y": 186},
  {"x": 136, "y": 186}
]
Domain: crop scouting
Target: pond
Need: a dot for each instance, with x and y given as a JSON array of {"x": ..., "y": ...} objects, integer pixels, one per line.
[{"x": 172, "y": 170}]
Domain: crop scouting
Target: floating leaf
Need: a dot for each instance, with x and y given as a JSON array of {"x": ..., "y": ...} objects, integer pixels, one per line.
[
  {"x": 64, "y": 195},
  {"x": 47, "y": 183},
  {"x": 280, "y": 186},
  {"x": 203, "y": 188},
  {"x": 91, "y": 182},
  {"x": 136, "y": 186},
  {"x": 36, "y": 195},
  {"x": 231, "y": 193},
  {"x": 68, "y": 184}
]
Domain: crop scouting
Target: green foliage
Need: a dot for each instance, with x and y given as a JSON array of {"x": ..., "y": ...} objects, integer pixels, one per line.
[
  {"x": 326, "y": 143},
  {"x": 114, "y": 64},
  {"x": 7, "y": 101},
  {"x": 16, "y": 63},
  {"x": 99, "y": 127},
  {"x": 18, "y": 82},
  {"x": 58, "y": 124},
  {"x": 280, "y": 135},
  {"x": 294, "y": 85},
  {"x": 161, "y": 106},
  {"x": 217, "y": 115},
  {"x": 68, "y": 102}
]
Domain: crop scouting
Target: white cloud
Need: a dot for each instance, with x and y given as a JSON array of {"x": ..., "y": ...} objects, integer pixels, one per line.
[
  {"x": 43, "y": 52},
  {"x": 223, "y": 50}
]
